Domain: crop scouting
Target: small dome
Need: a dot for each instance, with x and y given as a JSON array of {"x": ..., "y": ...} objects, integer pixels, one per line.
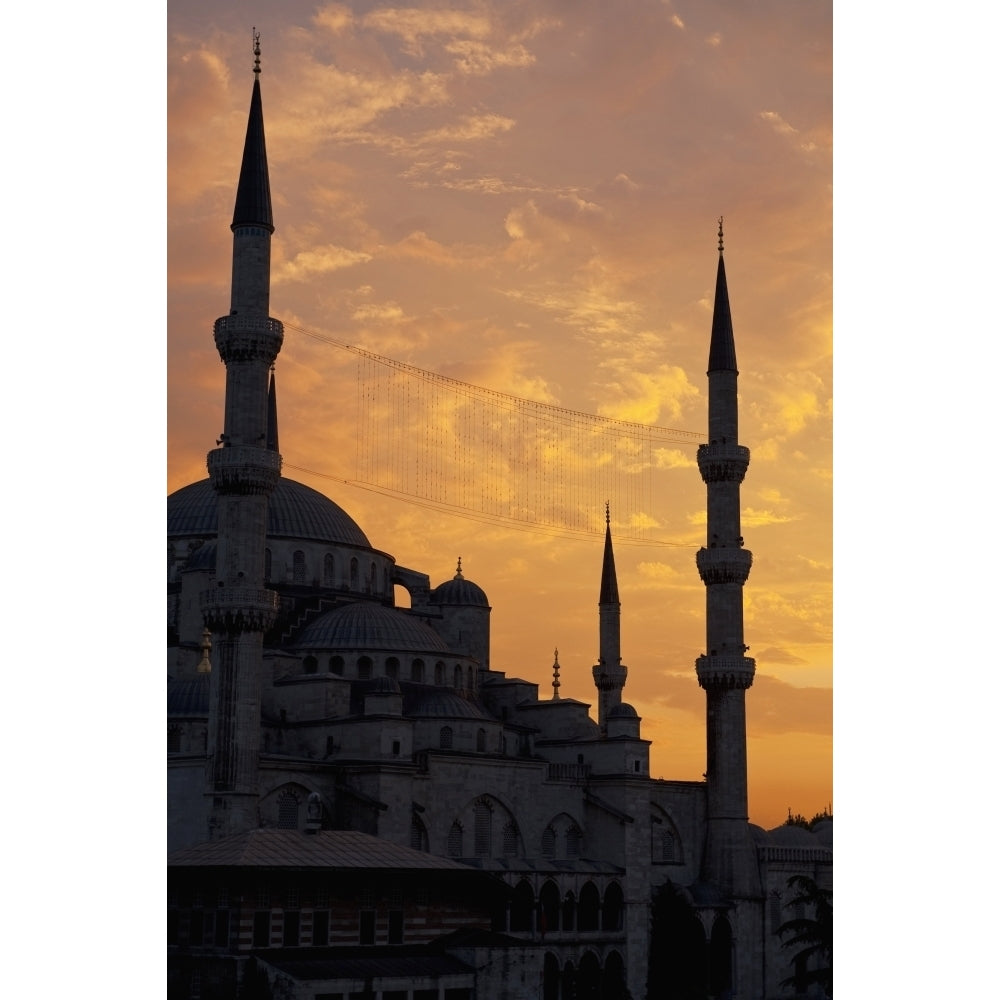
[
  {"x": 425, "y": 702},
  {"x": 384, "y": 685},
  {"x": 823, "y": 832},
  {"x": 791, "y": 835},
  {"x": 623, "y": 711},
  {"x": 759, "y": 834},
  {"x": 364, "y": 625},
  {"x": 293, "y": 511},
  {"x": 188, "y": 697},
  {"x": 460, "y": 592}
]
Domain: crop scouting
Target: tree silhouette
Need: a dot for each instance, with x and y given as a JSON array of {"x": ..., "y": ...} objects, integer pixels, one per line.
[{"x": 812, "y": 936}]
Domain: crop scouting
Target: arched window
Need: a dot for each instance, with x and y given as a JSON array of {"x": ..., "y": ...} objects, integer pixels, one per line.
[
  {"x": 481, "y": 741},
  {"x": 364, "y": 668},
  {"x": 549, "y": 843},
  {"x": 457, "y": 677},
  {"x": 550, "y": 981},
  {"x": 455, "y": 840},
  {"x": 392, "y": 667},
  {"x": 417, "y": 671},
  {"x": 446, "y": 737},
  {"x": 173, "y": 739},
  {"x": 614, "y": 977},
  {"x": 666, "y": 846},
  {"x": 309, "y": 665},
  {"x": 589, "y": 978},
  {"x": 288, "y": 812},
  {"x": 418, "y": 835},
  {"x": 573, "y": 839},
  {"x": 484, "y": 829},
  {"x": 372, "y": 579},
  {"x": 569, "y": 912},
  {"x": 522, "y": 905},
  {"x": 590, "y": 905},
  {"x": 470, "y": 678},
  {"x": 298, "y": 566},
  {"x": 614, "y": 908},
  {"x": 720, "y": 958},
  {"x": 354, "y": 574},
  {"x": 548, "y": 906},
  {"x": 336, "y": 665},
  {"x": 439, "y": 672},
  {"x": 328, "y": 570},
  {"x": 267, "y": 565},
  {"x": 510, "y": 840}
]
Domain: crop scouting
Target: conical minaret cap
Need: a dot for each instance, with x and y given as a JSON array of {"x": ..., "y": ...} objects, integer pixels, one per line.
[
  {"x": 722, "y": 352},
  {"x": 253, "y": 196},
  {"x": 609, "y": 578}
]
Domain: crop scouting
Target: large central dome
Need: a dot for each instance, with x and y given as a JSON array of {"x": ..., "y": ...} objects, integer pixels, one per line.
[{"x": 293, "y": 511}]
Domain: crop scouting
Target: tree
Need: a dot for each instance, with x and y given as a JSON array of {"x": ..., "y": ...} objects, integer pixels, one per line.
[{"x": 811, "y": 935}]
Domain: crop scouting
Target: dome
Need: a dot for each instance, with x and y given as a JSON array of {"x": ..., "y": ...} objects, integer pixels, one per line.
[
  {"x": 371, "y": 626},
  {"x": 459, "y": 591},
  {"x": 823, "y": 832},
  {"x": 425, "y": 702},
  {"x": 759, "y": 834},
  {"x": 623, "y": 711},
  {"x": 188, "y": 698},
  {"x": 790, "y": 835},
  {"x": 293, "y": 511},
  {"x": 384, "y": 685}
]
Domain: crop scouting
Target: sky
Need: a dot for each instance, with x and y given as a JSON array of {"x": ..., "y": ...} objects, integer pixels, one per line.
[{"x": 524, "y": 197}]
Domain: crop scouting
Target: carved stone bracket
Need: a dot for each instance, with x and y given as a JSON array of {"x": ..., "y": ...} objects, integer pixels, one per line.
[
  {"x": 724, "y": 565},
  {"x": 721, "y": 671},
  {"x": 723, "y": 462},
  {"x": 248, "y": 338},
  {"x": 234, "y": 610}
]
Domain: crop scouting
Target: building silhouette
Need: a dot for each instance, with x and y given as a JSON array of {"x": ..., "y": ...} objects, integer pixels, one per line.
[{"x": 361, "y": 806}]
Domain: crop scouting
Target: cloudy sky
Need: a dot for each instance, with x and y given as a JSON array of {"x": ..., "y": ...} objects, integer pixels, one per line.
[{"x": 524, "y": 197}]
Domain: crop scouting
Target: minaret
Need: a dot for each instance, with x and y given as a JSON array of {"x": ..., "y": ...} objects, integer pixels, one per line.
[
  {"x": 244, "y": 472},
  {"x": 724, "y": 671},
  {"x": 609, "y": 672}
]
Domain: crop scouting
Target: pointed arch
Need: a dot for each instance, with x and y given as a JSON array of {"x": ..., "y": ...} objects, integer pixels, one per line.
[
  {"x": 548, "y": 908},
  {"x": 455, "y": 838},
  {"x": 522, "y": 907},
  {"x": 550, "y": 977},
  {"x": 720, "y": 958},
  {"x": 589, "y": 978},
  {"x": 569, "y": 911},
  {"x": 419, "y": 840},
  {"x": 483, "y": 812},
  {"x": 329, "y": 574},
  {"x": 613, "y": 986},
  {"x": 298, "y": 566},
  {"x": 613, "y": 910},
  {"x": 588, "y": 912}
]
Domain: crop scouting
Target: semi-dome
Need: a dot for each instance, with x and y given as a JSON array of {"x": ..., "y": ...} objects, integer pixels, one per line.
[
  {"x": 792, "y": 835},
  {"x": 459, "y": 591},
  {"x": 293, "y": 511},
  {"x": 188, "y": 697},
  {"x": 365, "y": 625},
  {"x": 427, "y": 702}
]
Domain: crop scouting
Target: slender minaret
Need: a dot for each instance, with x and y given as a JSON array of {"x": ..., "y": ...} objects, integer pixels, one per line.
[
  {"x": 724, "y": 671},
  {"x": 609, "y": 672},
  {"x": 244, "y": 472}
]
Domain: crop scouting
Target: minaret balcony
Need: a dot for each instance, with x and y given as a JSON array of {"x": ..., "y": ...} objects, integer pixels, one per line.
[
  {"x": 239, "y": 609},
  {"x": 724, "y": 565},
  {"x": 725, "y": 671},
  {"x": 723, "y": 462},
  {"x": 248, "y": 338},
  {"x": 240, "y": 470},
  {"x": 610, "y": 678}
]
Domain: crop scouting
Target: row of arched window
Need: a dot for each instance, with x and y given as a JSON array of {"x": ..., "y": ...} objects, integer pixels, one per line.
[
  {"x": 586, "y": 981},
  {"x": 363, "y": 668},
  {"x": 554, "y": 912},
  {"x": 356, "y": 578}
]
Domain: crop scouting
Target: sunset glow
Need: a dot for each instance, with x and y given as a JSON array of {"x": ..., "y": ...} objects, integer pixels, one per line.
[{"x": 523, "y": 197}]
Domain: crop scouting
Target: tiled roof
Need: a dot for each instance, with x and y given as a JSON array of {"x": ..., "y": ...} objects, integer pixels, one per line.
[
  {"x": 270, "y": 848},
  {"x": 357, "y": 963}
]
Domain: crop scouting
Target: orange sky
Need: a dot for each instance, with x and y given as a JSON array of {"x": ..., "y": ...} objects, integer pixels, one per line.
[{"x": 523, "y": 196}]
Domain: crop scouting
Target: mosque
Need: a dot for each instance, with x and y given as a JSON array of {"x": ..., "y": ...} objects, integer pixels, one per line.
[{"x": 362, "y": 806}]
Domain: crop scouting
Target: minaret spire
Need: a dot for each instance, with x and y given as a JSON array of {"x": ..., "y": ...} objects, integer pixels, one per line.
[
  {"x": 609, "y": 672},
  {"x": 724, "y": 671},
  {"x": 244, "y": 472}
]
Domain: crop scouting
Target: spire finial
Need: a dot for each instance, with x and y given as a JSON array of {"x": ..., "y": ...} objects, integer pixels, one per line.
[
  {"x": 555, "y": 677},
  {"x": 607, "y": 513},
  {"x": 720, "y": 234},
  {"x": 256, "y": 51},
  {"x": 458, "y": 570}
]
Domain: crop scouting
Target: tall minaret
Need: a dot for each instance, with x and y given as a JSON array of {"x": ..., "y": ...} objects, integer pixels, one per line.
[
  {"x": 725, "y": 672},
  {"x": 244, "y": 472},
  {"x": 609, "y": 672}
]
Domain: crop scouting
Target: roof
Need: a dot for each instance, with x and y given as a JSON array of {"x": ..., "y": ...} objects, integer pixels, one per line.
[
  {"x": 188, "y": 696},
  {"x": 253, "y": 195},
  {"x": 293, "y": 511},
  {"x": 366, "y": 625},
  {"x": 722, "y": 352},
  {"x": 609, "y": 579},
  {"x": 404, "y": 962},
  {"x": 270, "y": 848}
]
